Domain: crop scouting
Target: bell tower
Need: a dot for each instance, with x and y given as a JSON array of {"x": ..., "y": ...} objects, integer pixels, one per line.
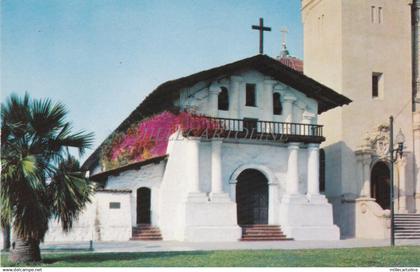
[{"x": 363, "y": 50}]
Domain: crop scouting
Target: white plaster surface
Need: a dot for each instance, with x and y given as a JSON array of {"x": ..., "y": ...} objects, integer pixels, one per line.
[{"x": 97, "y": 222}]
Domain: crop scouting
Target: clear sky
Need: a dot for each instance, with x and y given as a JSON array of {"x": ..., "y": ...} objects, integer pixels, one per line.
[{"x": 101, "y": 57}]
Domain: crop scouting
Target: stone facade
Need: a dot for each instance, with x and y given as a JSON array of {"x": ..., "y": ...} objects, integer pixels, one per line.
[
  {"x": 346, "y": 43},
  {"x": 193, "y": 190}
]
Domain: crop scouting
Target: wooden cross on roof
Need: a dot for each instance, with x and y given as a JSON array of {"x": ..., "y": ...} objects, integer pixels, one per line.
[{"x": 261, "y": 28}]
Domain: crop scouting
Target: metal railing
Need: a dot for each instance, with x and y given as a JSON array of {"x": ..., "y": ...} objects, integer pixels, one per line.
[{"x": 253, "y": 128}]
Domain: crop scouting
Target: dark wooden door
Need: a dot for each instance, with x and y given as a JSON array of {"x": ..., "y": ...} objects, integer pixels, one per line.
[
  {"x": 252, "y": 198},
  {"x": 380, "y": 184},
  {"x": 143, "y": 206}
]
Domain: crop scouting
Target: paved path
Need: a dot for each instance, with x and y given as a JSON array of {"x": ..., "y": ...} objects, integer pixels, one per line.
[{"x": 157, "y": 246}]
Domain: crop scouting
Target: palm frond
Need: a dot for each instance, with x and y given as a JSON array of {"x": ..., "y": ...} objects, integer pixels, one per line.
[
  {"x": 35, "y": 145},
  {"x": 69, "y": 191}
]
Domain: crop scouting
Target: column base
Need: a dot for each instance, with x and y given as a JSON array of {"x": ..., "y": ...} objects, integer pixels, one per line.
[
  {"x": 294, "y": 198},
  {"x": 219, "y": 197},
  {"x": 317, "y": 199},
  {"x": 197, "y": 197},
  {"x": 308, "y": 219},
  {"x": 211, "y": 221}
]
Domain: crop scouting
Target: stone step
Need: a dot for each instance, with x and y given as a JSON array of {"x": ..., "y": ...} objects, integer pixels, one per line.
[
  {"x": 408, "y": 237},
  {"x": 260, "y": 232},
  {"x": 263, "y": 233},
  {"x": 146, "y": 232},
  {"x": 266, "y": 239},
  {"x": 145, "y": 239},
  {"x": 249, "y": 232},
  {"x": 260, "y": 226},
  {"x": 147, "y": 236}
]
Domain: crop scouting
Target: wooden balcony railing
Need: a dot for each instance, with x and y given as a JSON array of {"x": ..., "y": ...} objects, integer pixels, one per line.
[{"x": 256, "y": 129}]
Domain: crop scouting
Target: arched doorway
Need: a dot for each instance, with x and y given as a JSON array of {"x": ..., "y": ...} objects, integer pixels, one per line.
[
  {"x": 252, "y": 197},
  {"x": 143, "y": 205},
  {"x": 380, "y": 184}
]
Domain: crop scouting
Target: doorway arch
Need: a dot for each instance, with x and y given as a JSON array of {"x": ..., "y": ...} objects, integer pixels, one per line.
[
  {"x": 143, "y": 205},
  {"x": 252, "y": 197},
  {"x": 380, "y": 184}
]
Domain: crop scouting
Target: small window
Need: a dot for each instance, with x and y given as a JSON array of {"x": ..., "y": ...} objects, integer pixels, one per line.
[
  {"x": 114, "y": 205},
  {"x": 250, "y": 95},
  {"x": 377, "y": 85},
  {"x": 223, "y": 99},
  {"x": 321, "y": 170},
  {"x": 372, "y": 14},
  {"x": 380, "y": 15},
  {"x": 277, "y": 108}
]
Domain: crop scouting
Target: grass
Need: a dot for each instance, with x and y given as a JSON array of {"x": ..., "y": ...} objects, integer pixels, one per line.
[{"x": 366, "y": 257}]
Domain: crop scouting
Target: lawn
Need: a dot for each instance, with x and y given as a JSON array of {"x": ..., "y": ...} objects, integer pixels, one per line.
[{"x": 385, "y": 256}]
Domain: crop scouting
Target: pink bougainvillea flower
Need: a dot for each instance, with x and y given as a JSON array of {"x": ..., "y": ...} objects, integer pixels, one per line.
[{"x": 149, "y": 138}]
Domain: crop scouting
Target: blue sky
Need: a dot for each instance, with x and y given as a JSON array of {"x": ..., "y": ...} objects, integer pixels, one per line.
[{"x": 101, "y": 57}]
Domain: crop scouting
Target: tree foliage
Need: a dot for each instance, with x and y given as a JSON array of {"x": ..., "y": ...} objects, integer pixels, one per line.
[{"x": 40, "y": 179}]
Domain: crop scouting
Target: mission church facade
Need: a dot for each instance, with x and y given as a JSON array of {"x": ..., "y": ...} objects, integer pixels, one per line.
[{"x": 316, "y": 167}]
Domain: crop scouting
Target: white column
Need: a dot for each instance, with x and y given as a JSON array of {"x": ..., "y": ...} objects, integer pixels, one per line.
[
  {"x": 416, "y": 129},
  {"x": 366, "y": 176},
  {"x": 268, "y": 100},
  {"x": 194, "y": 165},
  {"x": 216, "y": 166},
  {"x": 307, "y": 119},
  {"x": 293, "y": 169},
  {"x": 402, "y": 188},
  {"x": 288, "y": 111},
  {"x": 193, "y": 153},
  {"x": 288, "y": 108},
  {"x": 272, "y": 203},
  {"x": 300, "y": 110},
  {"x": 213, "y": 99},
  {"x": 313, "y": 169},
  {"x": 234, "y": 97}
]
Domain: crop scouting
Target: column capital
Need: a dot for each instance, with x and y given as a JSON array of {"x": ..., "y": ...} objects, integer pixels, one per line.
[
  {"x": 214, "y": 89},
  {"x": 236, "y": 78},
  {"x": 293, "y": 145},
  {"x": 270, "y": 81},
  {"x": 289, "y": 98},
  {"x": 300, "y": 104},
  {"x": 313, "y": 146}
]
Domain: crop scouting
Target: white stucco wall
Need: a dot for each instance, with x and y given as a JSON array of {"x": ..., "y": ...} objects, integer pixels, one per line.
[
  {"x": 149, "y": 176},
  {"x": 174, "y": 189},
  {"x": 197, "y": 98},
  {"x": 97, "y": 222},
  {"x": 270, "y": 159}
]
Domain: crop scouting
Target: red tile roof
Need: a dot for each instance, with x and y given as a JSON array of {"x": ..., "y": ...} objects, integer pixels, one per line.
[{"x": 292, "y": 62}]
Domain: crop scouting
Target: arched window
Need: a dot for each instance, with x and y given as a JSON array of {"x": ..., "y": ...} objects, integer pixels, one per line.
[
  {"x": 277, "y": 109},
  {"x": 322, "y": 170},
  {"x": 223, "y": 99}
]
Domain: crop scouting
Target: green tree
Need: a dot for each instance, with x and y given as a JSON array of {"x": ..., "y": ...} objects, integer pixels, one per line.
[{"x": 40, "y": 180}]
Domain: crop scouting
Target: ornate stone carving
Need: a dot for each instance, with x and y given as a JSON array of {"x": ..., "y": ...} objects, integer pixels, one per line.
[{"x": 376, "y": 142}]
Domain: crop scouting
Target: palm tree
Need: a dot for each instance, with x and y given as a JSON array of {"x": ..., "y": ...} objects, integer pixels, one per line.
[{"x": 40, "y": 180}]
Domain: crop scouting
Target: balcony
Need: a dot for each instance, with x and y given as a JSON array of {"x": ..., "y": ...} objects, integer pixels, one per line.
[{"x": 254, "y": 129}]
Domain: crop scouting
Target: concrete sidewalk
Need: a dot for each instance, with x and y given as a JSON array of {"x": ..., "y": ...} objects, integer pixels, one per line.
[{"x": 160, "y": 246}]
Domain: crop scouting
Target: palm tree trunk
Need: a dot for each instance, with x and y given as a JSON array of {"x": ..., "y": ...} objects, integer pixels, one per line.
[
  {"x": 25, "y": 251},
  {"x": 6, "y": 237}
]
